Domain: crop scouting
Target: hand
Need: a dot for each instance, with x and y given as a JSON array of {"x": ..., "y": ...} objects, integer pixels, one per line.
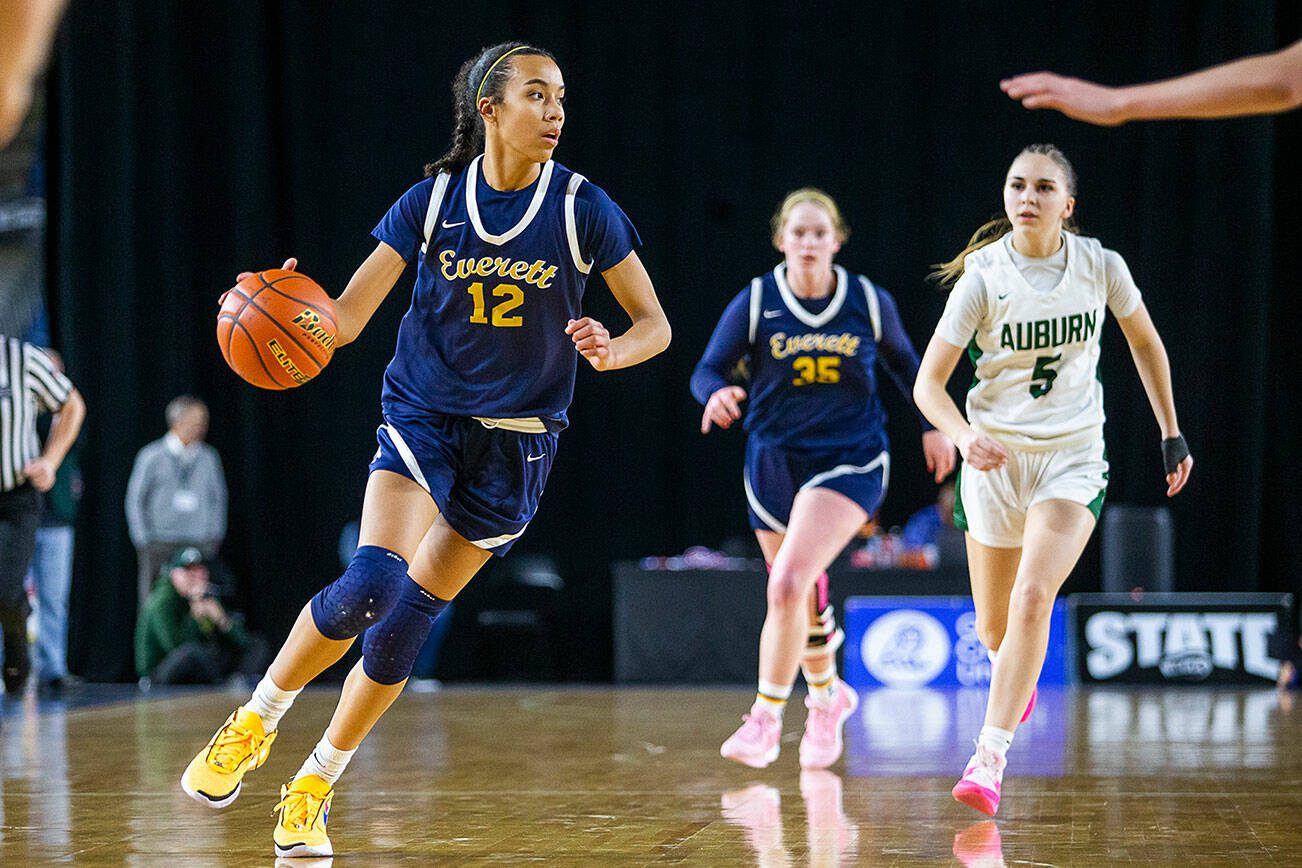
[
  {"x": 208, "y": 609},
  {"x": 1175, "y": 481},
  {"x": 592, "y": 340},
  {"x": 1074, "y": 97},
  {"x": 290, "y": 264},
  {"x": 939, "y": 452},
  {"x": 982, "y": 452},
  {"x": 723, "y": 408},
  {"x": 40, "y": 473}
]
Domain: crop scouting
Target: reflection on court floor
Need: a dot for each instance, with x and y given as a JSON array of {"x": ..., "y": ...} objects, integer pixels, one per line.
[{"x": 599, "y": 776}]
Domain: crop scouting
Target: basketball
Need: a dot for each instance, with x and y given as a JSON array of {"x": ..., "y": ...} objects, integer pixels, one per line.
[{"x": 276, "y": 329}]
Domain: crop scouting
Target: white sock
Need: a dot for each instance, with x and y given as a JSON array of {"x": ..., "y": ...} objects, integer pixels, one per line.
[
  {"x": 821, "y": 683},
  {"x": 326, "y": 761},
  {"x": 773, "y": 697},
  {"x": 995, "y": 739},
  {"x": 270, "y": 703}
]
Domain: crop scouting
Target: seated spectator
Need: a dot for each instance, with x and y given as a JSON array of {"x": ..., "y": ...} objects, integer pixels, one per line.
[
  {"x": 186, "y": 636},
  {"x": 934, "y": 526}
]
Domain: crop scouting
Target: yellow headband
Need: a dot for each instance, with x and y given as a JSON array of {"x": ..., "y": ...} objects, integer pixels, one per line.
[{"x": 479, "y": 93}]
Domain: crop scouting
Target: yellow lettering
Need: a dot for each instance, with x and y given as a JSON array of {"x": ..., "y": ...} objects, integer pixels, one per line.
[
  {"x": 547, "y": 275},
  {"x": 449, "y": 270},
  {"x": 518, "y": 270},
  {"x": 485, "y": 266}
]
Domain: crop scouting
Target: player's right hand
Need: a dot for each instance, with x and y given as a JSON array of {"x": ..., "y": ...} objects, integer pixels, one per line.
[
  {"x": 291, "y": 264},
  {"x": 981, "y": 452},
  {"x": 723, "y": 408}
]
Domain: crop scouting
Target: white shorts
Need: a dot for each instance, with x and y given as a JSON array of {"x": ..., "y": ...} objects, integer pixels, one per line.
[{"x": 991, "y": 504}]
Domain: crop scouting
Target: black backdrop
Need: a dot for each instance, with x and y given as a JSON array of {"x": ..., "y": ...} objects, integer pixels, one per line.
[{"x": 192, "y": 140}]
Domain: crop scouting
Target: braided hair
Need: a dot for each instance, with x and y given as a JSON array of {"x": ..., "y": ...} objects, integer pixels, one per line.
[{"x": 480, "y": 76}]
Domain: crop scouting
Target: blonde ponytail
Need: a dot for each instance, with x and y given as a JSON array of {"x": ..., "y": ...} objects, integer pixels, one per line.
[{"x": 947, "y": 273}]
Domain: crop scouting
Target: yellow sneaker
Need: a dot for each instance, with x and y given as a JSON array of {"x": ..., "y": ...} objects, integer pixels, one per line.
[
  {"x": 214, "y": 776},
  {"x": 304, "y": 808}
]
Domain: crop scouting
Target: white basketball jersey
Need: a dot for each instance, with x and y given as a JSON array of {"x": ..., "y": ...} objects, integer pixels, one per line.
[{"x": 1036, "y": 353}]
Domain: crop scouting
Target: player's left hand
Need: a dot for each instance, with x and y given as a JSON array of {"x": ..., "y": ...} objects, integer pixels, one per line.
[
  {"x": 1175, "y": 481},
  {"x": 40, "y": 473},
  {"x": 940, "y": 454},
  {"x": 592, "y": 340}
]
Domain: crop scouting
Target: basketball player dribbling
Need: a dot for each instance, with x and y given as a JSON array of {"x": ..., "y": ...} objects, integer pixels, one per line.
[
  {"x": 817, "y": 460},
  {"x": 1028, "y": 303},
  {"x": 503, "y": 240}
]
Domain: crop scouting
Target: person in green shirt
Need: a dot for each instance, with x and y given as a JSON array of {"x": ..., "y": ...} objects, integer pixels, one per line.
[{"x": 186, "y": 636}]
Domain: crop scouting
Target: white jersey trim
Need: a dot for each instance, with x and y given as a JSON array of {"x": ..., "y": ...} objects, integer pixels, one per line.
[
  {"x": 571, "y": 224},
  {"x": 494, "y": 542},
  {"x": 756, "y": 302},
  {"x": 798, "y": 310},
  {"x": 758, "y": 508},
  {"x": 472, "y": 204},
  {"x": 883, "y": 460},
  {"x": 874, "y": 307},
  {"x": 435, "y": 204},
  {"x": 409, "y": 459}
]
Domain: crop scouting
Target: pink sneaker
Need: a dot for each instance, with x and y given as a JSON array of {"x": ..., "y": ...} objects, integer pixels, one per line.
[
  {"x": 982, "y": 779},
  {"x": 755, "y": 744},
  {"x": 1030, "y": 706},
  {"x": 821, "y": 745}
]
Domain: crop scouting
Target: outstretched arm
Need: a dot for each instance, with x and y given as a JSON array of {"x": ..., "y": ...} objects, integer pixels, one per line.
[
  {"x": 1155, "y": 372},
  {"x": 369, "y": 285},
  {"x": 649, "y": 334},
  {"x": 1261, "y": 84}
]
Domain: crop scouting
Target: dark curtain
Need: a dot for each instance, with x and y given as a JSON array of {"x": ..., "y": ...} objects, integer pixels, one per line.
[{"x": 193, "y": 140}]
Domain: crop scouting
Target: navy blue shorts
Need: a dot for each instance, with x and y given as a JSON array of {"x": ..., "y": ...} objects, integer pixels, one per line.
[
  {"x": 485, "y": 481},
  {"x": 774, "y": 475}
]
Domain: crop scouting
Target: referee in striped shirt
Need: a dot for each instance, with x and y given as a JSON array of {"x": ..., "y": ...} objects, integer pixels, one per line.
[{"x": 29, "y": 383}]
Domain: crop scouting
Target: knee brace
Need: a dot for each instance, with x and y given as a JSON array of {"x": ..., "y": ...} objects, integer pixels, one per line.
[
  {"x": 825, "y": 636},
  {"x": 390, "y": 648},
  {"x": 362, "y": 596}
]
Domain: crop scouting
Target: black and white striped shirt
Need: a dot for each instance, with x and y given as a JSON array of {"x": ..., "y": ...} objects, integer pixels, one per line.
[{"x": 29, "y": 383}]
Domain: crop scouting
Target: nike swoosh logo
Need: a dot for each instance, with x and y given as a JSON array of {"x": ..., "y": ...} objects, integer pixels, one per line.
[
  {"x": 534, "y": 457},
  {"x": 769, "y": 314},
  {"x": 447, "y": 225},
  {"x": 1004, "y": 296}
]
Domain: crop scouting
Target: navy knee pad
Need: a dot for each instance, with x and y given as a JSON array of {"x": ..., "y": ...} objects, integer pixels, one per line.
[
  {"x": 390, "y": 648},
  {"x": 362, "y": 596}
]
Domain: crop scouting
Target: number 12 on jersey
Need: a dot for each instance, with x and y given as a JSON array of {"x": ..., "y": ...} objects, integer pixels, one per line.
[{"x": 513, "y": 297}]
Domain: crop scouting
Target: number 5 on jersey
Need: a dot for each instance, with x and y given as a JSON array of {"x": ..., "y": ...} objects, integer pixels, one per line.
[
  {"x": 513, "y": 297},
  {"x": 1043, "y": 376}
]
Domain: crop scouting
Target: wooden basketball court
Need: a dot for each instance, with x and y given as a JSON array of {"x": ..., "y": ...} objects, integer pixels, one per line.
[{"x": 601, "y": 776}]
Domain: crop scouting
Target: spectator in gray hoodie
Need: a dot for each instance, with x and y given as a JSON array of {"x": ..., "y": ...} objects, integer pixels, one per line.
[{"x": 176, "y": 496}]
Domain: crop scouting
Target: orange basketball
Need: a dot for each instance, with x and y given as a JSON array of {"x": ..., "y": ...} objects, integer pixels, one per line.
[{"x": 277, "y": 329}]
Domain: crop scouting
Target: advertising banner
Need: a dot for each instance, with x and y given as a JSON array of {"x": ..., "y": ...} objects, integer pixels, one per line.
[
  {"x": 911, "y": 642},
  {"x": 1177, "y": 638}
]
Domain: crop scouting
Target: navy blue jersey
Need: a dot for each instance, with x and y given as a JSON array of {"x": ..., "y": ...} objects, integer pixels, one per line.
[
  {"x": 499, "y": 274},
  {"x": 812, "y": 362}
]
